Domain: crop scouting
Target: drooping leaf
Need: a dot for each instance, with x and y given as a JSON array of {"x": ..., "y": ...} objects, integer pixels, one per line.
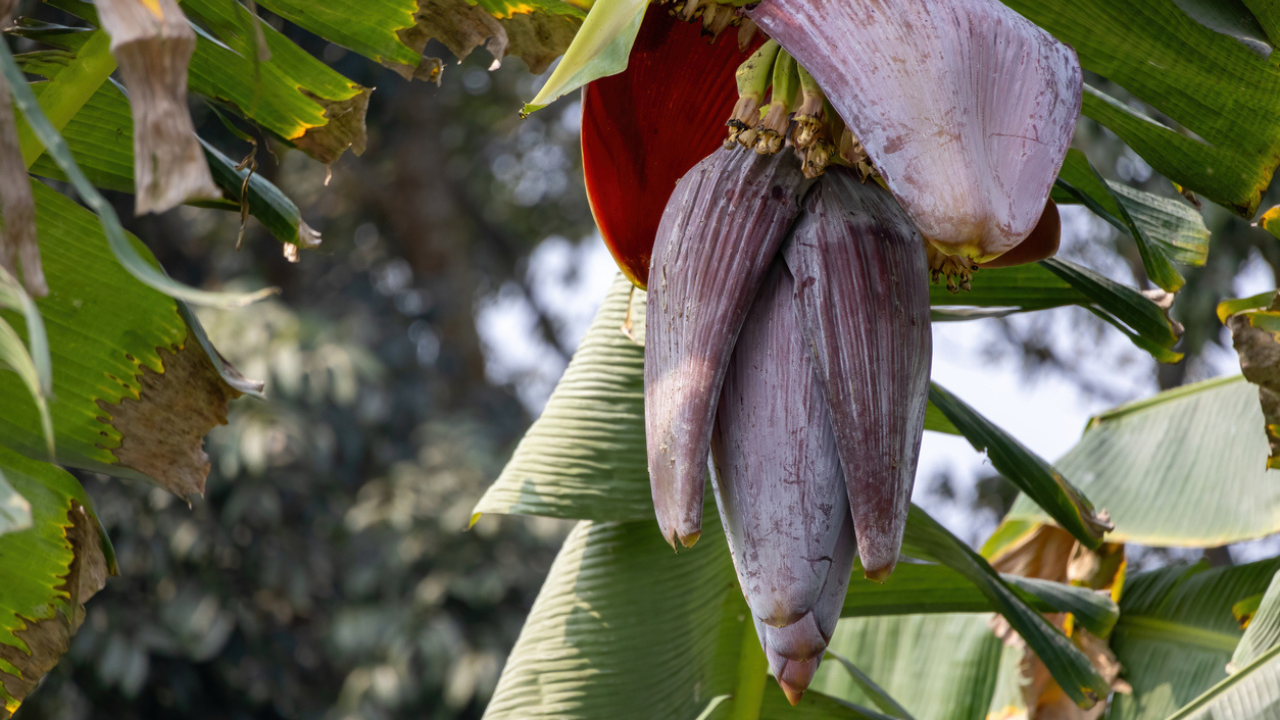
[
  {"x": 1028, "y": 471},
  {"x": 1263, "y": 632},
  {"x": 877, "y": 694},
  {"x": 1255, "y": 334},
  {"x": 121, "y": 247},
  {"x": 134, "y": 389},
  {"x": 1176, "y": 634},
  {"x": 1069, "y": 667},
  {"x": 1083, "y": 182},
  {"x": 1209, "y": 83},
  {"x": 100, "y": 137},
  {"x": 932, "y": 589},
  {"x": 1146, "y": 461},
  {"x": 50, "y": 569},
  {"x": 293, "y": 95}
]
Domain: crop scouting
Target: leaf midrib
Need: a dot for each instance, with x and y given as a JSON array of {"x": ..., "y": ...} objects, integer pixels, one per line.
[{"x": 1171, "y": 631}]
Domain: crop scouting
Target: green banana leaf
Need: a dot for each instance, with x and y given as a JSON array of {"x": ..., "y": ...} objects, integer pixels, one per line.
[
  {"x": 100, "y": 136},
  {"x": 1082, "y": 181},
  {"x": 1263, "y": 632},
  {"x": 1026, "y": 470},
  {"x": 584, "y": 458},
  {"x": 1176, "y": 634},
  {"x": 1147, "y": 463},
  {"x": 293, "y": 95},
  {"x": 50, "y": 569},
  {"x": 110, "y": 337},
  {"x": 1253, "y": 692},
  {"x": 939, "y": 667},
  {"x": 1221, "y": 91},
  {"x": 393, "y": 32},
  {"x": 930, "y": 589},
  {"x": 601, "y": 48}
]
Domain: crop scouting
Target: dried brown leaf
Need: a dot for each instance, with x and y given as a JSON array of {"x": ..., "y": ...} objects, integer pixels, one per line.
[
  {"x": 153, "y": 43},
  {"x": 162, "y": 430},
  {"x": 18, "y": 242}
]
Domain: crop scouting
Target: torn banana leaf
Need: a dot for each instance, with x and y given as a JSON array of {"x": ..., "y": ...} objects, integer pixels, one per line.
[
  {"x": 1176, "y": 634},
  {"x": 1145, "y": 462},
  {"x": 135, "y": 389},
  {"x": 293, "y": 95},
  {"x": 51, "y": 569},
  {"x": 394, "y": 32}
]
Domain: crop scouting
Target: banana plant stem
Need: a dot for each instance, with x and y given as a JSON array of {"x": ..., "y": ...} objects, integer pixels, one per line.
[{"x": 753, "y": 672}]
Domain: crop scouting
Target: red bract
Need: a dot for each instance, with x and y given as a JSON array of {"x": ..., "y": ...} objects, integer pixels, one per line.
[{"x": 644, "y": 128}]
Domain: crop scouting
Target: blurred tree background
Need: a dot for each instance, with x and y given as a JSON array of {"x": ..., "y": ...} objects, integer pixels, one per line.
[{"x": 328, "y": 573}]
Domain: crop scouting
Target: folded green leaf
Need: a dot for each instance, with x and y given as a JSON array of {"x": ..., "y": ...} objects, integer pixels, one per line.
[
  {"x": 1030, "y": 473},
  {"x": 1146, "y": 462},
  {"x": 879, "y": 697},
  {"x": 31, "y": 362},
  {"x": 1253, "y": 692}
]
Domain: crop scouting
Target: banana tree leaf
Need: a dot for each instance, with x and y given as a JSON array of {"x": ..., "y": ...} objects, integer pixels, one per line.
[
  {"x": 624, "y": 628},
  {"x": 1146, "y": 463},
  {"x": 1215, "y": 87},
  {"x": 84, "y": 74},
  {"x": 293, "y": 95},
  {"x": 1176, "y": 634},
  {"x": 394, "y": 32},
  {"x": 15, "y": 511},
  {"x": 1253, "y": 692},
  {"x": 939, "y": 667},
  {"x": 50, "y": 570},
  {"x": 1176, "y": 228},
  {"x": 101, "y": 140},
  {"x": 1135, "y": 315},
  {"x": 877, "y": 694},
  {"x": 1263, "y": 632},
  {"x": 1083, "y": 182},
  {"x": 1026, "y": 470},
  {"x": 117, "y": 240},
  {"x": 930, "y": 589},
  {"x": 927, "y": 539},
  {"x": 1267, "y": 13},
  {"x": 30, "y": 361},
  {"x": 122, "y": 353},
  {"x": 1231, "y": 18}
]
